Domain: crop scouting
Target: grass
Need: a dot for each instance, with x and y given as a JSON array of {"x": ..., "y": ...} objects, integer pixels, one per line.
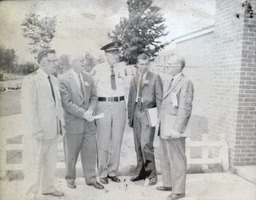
[{"x": 10, "y": 103}]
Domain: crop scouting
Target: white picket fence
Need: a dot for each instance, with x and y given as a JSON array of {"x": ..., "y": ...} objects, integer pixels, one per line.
[
  {"x": 205, "y": 160},
  {"x": 206, "y": 144}
]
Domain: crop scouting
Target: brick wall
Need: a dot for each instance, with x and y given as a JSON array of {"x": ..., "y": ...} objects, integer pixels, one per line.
[
  {"x": 246, "y": 116},
  {"x": 232, "y": 104}
]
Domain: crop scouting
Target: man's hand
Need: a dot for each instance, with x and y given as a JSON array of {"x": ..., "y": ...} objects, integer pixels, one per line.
[
  {"x": 175, "y": 134},
  {"x": 88, "y": 115},
  {"x": 38, "y": 136}
]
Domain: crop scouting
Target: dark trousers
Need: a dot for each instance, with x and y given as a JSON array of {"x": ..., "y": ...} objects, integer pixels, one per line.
[{"x": 143, "y": 140}]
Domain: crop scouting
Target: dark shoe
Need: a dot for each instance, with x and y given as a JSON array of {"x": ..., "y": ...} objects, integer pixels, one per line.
[
  {"x": 175, "y": 196},
  {"x": 104, "y": 180},
  {"x": 163, "y": 188},
  {"x": 56, "y": 193},
  {"x": 71, "y": 185},
  {"x": 152, "y": 181},
  {"x": 97, "y": 185},
  {"x": 114, "y": 179},
  {"x": 137, "y": 178}
]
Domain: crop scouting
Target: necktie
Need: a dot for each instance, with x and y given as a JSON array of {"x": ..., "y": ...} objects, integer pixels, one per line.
[
  {"x": 170, "y": 85},
  {"x": 53, "y": 95},
  {"x": 140, "y": 92},
  {"x": 112, "y": 78},
  {"x": 81, "y": 84}
]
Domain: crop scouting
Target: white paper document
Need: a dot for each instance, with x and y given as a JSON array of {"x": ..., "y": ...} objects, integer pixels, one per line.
[
  {"x": 98, "y": 116},
  {"x": 152, "y": 116},
  {"x": 174, "y": 99}
]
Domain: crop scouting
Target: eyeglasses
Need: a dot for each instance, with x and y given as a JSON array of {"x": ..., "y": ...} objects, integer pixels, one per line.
[{"x": 53, "y": 60}]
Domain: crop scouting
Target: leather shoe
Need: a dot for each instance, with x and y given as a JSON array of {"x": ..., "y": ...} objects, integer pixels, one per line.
[
  {"x": 71, "y": 185},
  {"x": 137, "y": 178},
  {"x": 163, "y": 188},
  {"x": 175, "y": 196},
  {"x": 114, "y": 179},
  {"x": 97, "y": 185},
  {"x": 152, "y": 181},
  {"x": 56, "y": 193},
  {"x": 104, "y": 180}
]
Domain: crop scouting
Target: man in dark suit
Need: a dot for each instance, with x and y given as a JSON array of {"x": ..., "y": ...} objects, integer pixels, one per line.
[
  {"x": 78, "y": 94},
  {"x": 145, "y": 92},
  {"x": 175, "y": 113}
]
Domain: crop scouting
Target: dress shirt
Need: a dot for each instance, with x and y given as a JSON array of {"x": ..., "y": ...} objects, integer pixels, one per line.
[
  {"x": 143, "y": 81},
  {"x": 76, "y": 77},
  {"x": 101, "y": 74}
]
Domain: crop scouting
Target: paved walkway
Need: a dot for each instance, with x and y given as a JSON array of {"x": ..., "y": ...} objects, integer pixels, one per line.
[{"x": 218, "y": 186}]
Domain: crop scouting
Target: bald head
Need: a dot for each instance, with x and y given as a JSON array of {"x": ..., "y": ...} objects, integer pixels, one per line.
[
  {"x": 78, "y": 64},
  {"x": 175, "y": 64}
]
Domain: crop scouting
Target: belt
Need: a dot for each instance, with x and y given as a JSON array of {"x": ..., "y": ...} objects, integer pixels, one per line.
[{"x": 121, "y": 98}]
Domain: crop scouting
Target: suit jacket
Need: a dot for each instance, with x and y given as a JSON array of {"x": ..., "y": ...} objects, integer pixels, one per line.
[
  {"x": 40, "y": 111},
  {"x": 75, "y": 103},
  {"x": 176, "y": 116},
  {"x": 152, "y": 93}
]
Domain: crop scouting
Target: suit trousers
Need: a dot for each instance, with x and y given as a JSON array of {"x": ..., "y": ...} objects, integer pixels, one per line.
[
  {"x": 40, "y": 164},
  {"x": 85, "y": 144},
  {"x": 110, "y": 130},
  {"x": 143, "y": 140},
  {"x": 174, "y": 164}
]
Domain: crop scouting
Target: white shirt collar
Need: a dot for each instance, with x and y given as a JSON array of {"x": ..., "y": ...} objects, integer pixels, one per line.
[
  {"x": 74, "y": 73},
  {"x": 177, "y": 76},
  {"x": 42, "y": 73}
]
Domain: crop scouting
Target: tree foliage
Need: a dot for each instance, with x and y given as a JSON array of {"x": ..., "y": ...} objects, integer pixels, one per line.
[
  {"x": 141, "y": 31},
  {"x": 39, "y": 30},
  {"x": 8, "y": 59},
  {"x": 91, "y": 61}
]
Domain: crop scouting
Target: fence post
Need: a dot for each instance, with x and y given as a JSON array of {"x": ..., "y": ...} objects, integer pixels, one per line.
[
  {"x": 224, "y": 153},
  {"x": 205, "y": 150}
]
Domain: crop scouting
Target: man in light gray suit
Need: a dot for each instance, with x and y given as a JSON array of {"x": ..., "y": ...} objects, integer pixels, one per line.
[
  {"x": 78, "y": 94},
  {"x": 175, "y": 113},
  {"x": 146, "y": 92},
  {"x": 43, "y": 115}
]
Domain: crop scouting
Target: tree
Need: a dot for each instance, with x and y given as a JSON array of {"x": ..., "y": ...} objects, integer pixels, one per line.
[
  {"x": 8, "y": 59},
  {"x": 141, "y": 31},
  {"x": 90, "y": 61},
  {"x": 39, "y": 30}
]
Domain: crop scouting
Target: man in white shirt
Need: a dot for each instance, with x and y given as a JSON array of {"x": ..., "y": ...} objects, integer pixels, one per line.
[
  {"x": 110, "y": 79},
  {"x": 174, "y": 115},
  {"x": 78, "y": 95},
  {"x": 43, "y": 115}
]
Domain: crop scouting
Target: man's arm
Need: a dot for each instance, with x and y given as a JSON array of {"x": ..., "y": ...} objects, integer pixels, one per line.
[
  {"x": 131, "y": 103},
  {"x": 159, "y": 93},
  {"x": 67, "y": 104},
  {"x": 185, "y": 106},
  {"x": 29, "y": 104},
  {"x": 93, "y": 96}
]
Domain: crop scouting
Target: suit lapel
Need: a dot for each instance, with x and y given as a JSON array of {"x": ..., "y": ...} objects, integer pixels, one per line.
[
  {"x": 174, "y": 84},
  {"x": 74, "y": 84}
]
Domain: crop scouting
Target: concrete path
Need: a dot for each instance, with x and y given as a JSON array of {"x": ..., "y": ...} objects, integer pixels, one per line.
[{"x": 218, "y": 186}]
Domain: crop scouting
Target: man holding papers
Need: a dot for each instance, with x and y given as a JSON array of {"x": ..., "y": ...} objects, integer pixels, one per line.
[
  {"x": 175, "y": 112},
  {"x": 78, "y": 93},
  {"x": 145, "y": 97}
]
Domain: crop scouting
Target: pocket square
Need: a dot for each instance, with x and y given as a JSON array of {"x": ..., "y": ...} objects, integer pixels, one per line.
[{"x": 86, "y": 84}]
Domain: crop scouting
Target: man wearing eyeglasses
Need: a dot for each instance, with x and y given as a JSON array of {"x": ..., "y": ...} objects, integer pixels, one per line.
[
  {"x": 43, "y": 115},
  {"x": 78, "y": 95},
  {"x": 174, "y": 115}
]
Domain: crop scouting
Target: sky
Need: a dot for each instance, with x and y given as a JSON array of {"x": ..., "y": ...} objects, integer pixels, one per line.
[{"x": 83, "y": 25}]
